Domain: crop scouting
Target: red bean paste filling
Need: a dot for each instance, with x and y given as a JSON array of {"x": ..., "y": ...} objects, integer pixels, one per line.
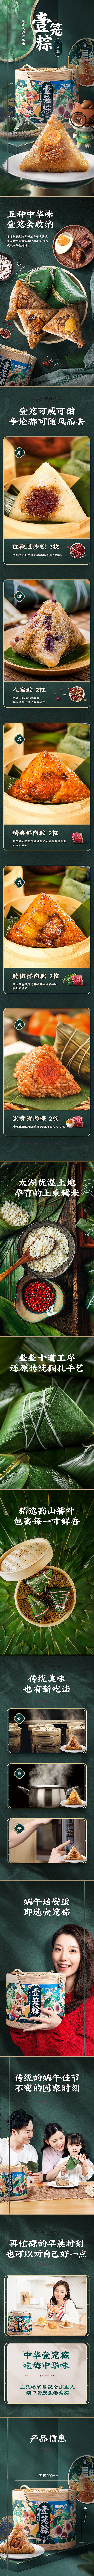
[
  {"x": 42, "y": 504},
  {"x": 48, "y": 635}
]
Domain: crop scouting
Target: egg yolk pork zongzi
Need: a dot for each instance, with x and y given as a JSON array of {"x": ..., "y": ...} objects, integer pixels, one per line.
[
  {"x": 45, "y": 923},
  {"x": 37, "y": 317},
  {"x": 40, "y": 1074},
  {"x": 54, "y": 150}
]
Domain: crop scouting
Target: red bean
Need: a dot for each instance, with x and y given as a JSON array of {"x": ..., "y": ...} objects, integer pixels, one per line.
[{"x": 38, "y": 1294}]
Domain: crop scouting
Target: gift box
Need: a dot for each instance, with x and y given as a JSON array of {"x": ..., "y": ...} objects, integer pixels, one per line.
[
  {"x": 49, "y": 2519},
  {"x": 43, "y": 2001},
  {"x": 4, "y": 2184},
  {"x": 19, "y": 2324},
  {"x": 19, "y": 2180}
]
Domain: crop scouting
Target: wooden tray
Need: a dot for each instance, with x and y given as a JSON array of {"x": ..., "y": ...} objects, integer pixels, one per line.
[
  {"x": 73, "y": 814},
  {"x": 64, "y": 958}
]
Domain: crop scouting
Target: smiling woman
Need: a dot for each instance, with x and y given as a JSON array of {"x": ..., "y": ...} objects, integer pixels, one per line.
[
  {"x": 67, "y": 2015},
  {"x": 60, "y": 2150}
]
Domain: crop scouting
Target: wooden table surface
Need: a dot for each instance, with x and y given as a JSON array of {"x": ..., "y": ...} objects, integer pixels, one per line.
[{"x": 55, "y": 2204}]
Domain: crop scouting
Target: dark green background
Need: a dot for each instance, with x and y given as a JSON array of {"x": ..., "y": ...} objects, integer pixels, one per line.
[
  {"x": 74, "y": 2264},
  {"x": 30, "y": 2462},
  {"x": 89, "y": 1756},
  {"x": 83, "y": 409},
  {"x": 68, "y": 30},
  {"x": 30, "y": 246},
  {"x": 27, "y": 1943},
  {"x": 39, "y": 2089}
]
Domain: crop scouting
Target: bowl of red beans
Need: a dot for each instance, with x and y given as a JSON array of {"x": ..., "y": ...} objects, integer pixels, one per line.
[{"x": 40, "y": 1298}]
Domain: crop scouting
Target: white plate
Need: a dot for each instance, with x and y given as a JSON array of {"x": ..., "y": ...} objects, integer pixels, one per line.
[{"x": 64, "y": 178}]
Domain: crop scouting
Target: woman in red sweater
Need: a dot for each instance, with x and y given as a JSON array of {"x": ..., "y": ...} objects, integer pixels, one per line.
[{"x": 67, "y": 2039}]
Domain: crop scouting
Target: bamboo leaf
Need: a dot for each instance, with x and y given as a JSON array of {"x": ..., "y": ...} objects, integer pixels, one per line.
[
  {"x": 20, "y": 1471},
  {"x": 72, "y": 1551},
  {"x": 87, "y": 1225},
  {"x": 56, "y": 1415},
  {"x": 87, "y": 1183}
]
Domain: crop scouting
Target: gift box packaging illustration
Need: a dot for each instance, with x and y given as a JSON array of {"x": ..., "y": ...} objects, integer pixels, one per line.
[
  {"x": 32, "y": 2003},
  {"x": 51, "y": 2520}
]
